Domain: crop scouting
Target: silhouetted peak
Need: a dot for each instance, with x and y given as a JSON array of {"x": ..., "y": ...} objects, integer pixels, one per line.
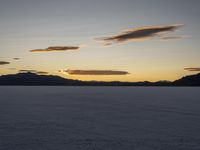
[
  {"x": 191, "y": 80},
  {"x": 30, "y": 78}
]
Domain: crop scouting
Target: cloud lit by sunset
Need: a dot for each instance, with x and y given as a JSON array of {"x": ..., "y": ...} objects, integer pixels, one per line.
[{"x": 99, "y": 39}]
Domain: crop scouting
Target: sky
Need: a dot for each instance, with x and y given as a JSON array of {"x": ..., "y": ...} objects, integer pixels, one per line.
[{"x": 129, "y": 40}]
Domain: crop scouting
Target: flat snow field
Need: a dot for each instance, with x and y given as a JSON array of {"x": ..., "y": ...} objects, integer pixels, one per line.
[{"x": 99, "y": 118}]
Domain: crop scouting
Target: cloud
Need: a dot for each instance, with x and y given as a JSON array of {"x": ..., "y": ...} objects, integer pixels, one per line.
[
  {"x": 27, "y": 71},
  {"x": 172, "y": 37},
  {"x": 4, "y": 62},
  {"x": 33, "y": 71},
  {"x": 12, "y": 68},
  {"x": 93, "y": 72},
  {"x": 143, "y": 33},
  {"x": 192, "y": 69},
  {"x": 56, "y": 49},
  {"x": 16, "y": 58},
  {"x": 42, "y": 72}
]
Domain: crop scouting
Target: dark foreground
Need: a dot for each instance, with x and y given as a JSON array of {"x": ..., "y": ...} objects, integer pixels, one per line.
[{"x": 99, "y": 118}]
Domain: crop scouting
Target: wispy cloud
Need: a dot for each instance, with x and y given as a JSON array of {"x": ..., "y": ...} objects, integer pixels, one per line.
[
  {"x": 16, "y": 58},
  {"x": 12, "y": 68},
  {"x": 143, "y": 33},
  {"x": 172, "y": 37},
  {"x": 4, "y": 62},
  {"x": 42, "y": 72},
  {"x": 56, "y": 49},
  {"x": 93, "y": 72},
  {"x": 192, "y": 69},
  {"x": 33, "y": 71}
]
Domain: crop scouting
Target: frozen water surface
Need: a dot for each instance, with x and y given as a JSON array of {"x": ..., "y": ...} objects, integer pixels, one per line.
[{"x": 99, "y": 118}]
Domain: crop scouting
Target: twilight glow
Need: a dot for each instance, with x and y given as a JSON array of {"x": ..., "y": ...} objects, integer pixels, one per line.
[{"x": 107, "y": 40}]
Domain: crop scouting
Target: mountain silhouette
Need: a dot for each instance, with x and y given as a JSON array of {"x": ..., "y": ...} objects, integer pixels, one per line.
[
  {"x": 192, "y": 80},
  {"x": 29, "y": 78}
]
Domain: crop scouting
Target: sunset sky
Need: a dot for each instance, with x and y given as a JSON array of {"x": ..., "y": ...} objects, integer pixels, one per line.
[{"x": 125, "y": 40}]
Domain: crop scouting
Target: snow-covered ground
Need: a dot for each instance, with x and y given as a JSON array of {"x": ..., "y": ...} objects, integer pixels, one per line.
[{"x": 99, "y": 118}]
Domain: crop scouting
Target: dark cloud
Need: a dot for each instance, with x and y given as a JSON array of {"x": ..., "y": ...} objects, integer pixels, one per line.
[
  {"x": 42, "y": 72},
  {"x": 4, "y": 62},
  {"x": 192, "y": 69},
  {"x": 16, "y": 58},
  {"x": 94, "y": 72},
  {"x": 27, "y": 71},
  {"x": 33, "y": 71},
  {"x": 143, "y": 33},
  {"x": 56, "y": 49}
]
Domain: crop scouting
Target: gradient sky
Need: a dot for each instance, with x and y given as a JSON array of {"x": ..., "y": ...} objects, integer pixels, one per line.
[{"x": 39, "y": 24}]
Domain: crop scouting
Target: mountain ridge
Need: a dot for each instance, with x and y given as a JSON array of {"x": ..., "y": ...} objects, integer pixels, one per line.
[{"x": 29, "y": 78}]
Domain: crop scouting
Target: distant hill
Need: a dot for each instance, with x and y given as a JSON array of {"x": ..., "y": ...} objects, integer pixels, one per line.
[
  {"x": 35, "y": 79},
  {"x": 29, "y": 78},
  {"x": 192, "y": 80}
]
